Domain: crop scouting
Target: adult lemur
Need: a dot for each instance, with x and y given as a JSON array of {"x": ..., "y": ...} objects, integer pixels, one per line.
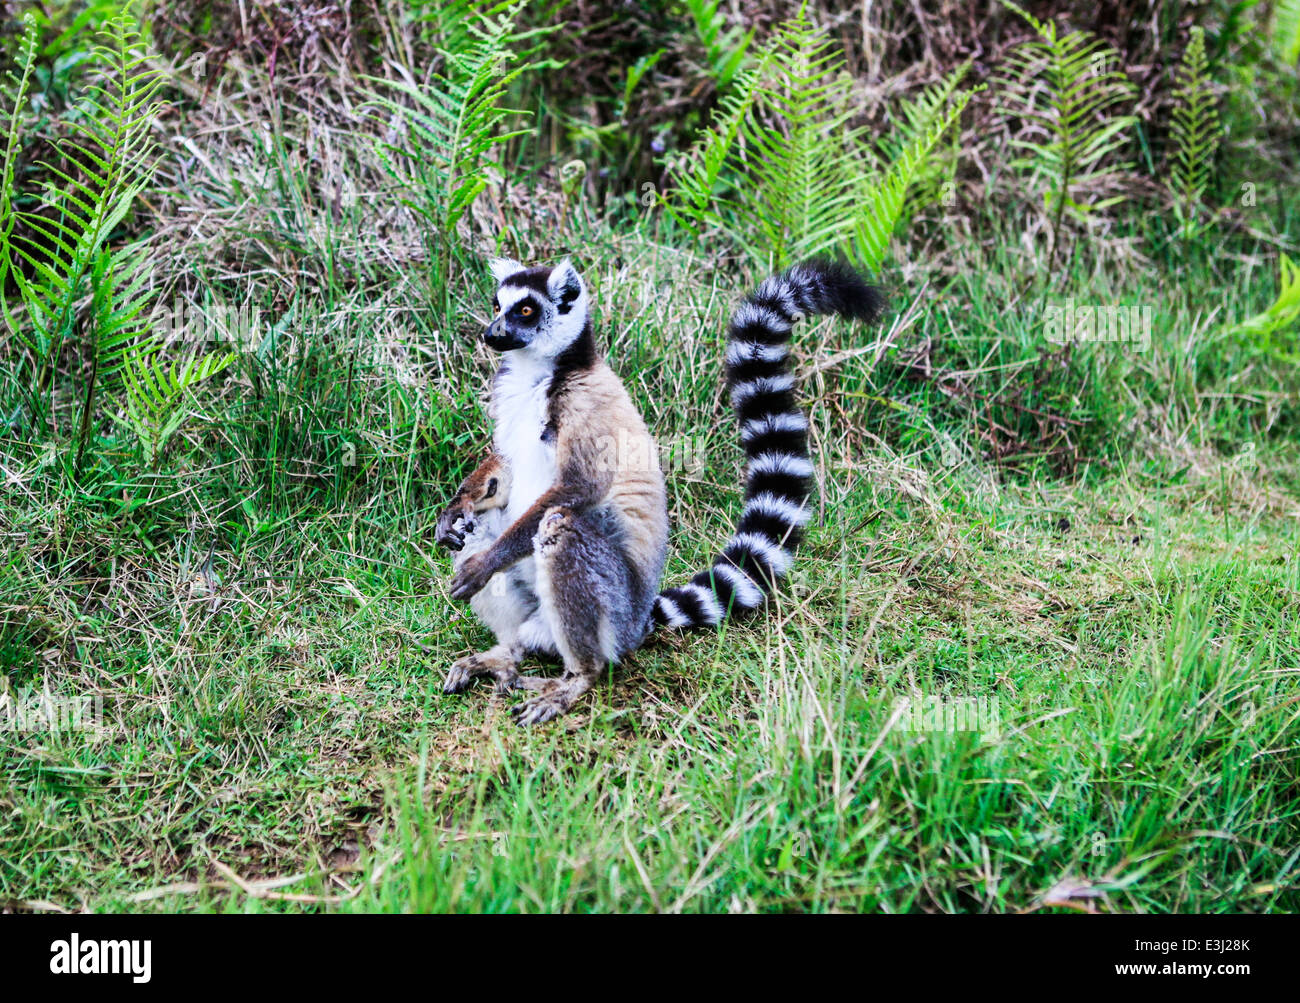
[{"x": 563, "y": 529}]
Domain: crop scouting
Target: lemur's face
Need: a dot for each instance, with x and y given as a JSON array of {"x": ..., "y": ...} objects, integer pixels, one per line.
[{"x": 540, "y": 310}]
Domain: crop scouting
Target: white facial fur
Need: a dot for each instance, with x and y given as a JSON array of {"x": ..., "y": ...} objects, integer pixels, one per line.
[{"x": 556, "y": 331}]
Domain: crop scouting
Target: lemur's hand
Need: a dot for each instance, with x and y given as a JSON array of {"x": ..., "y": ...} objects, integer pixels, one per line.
[
  {"x": 470, "y": 578},
  {"x": 453, "y": 525}
]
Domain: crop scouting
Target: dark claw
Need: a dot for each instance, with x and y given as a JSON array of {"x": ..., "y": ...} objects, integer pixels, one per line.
[{"x": 452, "y": 527}]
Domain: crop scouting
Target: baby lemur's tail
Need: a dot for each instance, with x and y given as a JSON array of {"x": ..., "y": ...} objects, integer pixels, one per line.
[{"x": 774, "y": 433}]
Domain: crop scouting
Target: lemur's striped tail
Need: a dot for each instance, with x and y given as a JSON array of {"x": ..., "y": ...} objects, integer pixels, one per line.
[{"x": 774, "y": 433}]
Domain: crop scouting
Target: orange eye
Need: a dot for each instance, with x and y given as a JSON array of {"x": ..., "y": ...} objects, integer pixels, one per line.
[{"x": 526, "y": 312}]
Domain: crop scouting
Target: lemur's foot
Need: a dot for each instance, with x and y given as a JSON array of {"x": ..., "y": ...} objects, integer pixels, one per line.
[
  {"x": 541, "y": 708},
  {"x": 554, "y": 697},
  {"x": 555, "y": 525},
  {"x": 493, "y": 663},
  {"x": 459, "y": 675}
]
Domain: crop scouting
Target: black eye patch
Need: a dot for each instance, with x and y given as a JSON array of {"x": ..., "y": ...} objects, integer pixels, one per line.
[{"x": 526, "y": 312}]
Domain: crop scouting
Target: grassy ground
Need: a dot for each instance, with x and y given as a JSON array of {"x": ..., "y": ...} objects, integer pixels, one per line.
[
  {"x": 1041, "y": 651},
  {"x": 1117, "y": 655}
]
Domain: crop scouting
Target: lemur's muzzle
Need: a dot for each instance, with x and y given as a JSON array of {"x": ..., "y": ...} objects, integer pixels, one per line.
[{"x": 499, "y": 339}]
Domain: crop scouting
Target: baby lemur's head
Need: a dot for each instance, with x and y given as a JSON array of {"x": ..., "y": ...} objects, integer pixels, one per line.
[{"x": 541, "y": 311}]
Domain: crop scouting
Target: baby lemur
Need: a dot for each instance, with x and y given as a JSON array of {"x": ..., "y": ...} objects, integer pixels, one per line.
[{"x": 562, "y": 531}]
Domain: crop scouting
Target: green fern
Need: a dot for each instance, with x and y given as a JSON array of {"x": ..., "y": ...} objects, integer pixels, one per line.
[
  {"x": 447, "y": 25},
  {"x": 120, "y": 298},
  {"x": 1286, "y": 31},
  {"x": 883, "y": 199},
  {"x": 69, "y": 261},
  {"x": 1076, "y": 114},
  {"x": 104, "y": 169},
  {"x": 455, "y": 123},
  {"x": 782, "y": 171},
  {"x": 697, "y": 200},
  {"x": 725, "y": 48},
  {"x": 799, "y": 148},
  {"x": 15, "y": 92},
  {"x": 157, "y": 392},
  {"x": 914, "y": 119},
  {"x": 1194, "y": 131}
]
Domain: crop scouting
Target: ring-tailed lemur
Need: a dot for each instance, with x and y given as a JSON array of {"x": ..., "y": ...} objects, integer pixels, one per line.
[{"x": 562, "y": 531}]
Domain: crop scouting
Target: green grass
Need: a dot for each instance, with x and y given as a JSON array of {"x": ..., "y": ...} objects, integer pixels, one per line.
[
  {"x": 1136, "y": 634},
  {"x": 1098, "y": 548}
]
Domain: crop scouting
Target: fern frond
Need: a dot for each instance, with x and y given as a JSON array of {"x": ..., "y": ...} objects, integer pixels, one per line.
[
  {"x": 454, "y": 124},
  {"x": 800, "y": 156},
  {"x": 914, "y": 120},
  {"x": 883, "y": 200},
  {"x": 1194, "y": 131},
  {"x": 156, "y": 392},
  {"x": 803, "y": 179},
  {"x": 15, "y": 93},
  {"x": 122, "y": 305},
  {"x": 109, "y": 162},
  {"x": 1286, "y": 31},
  {"x": 448, "y": 25},
  {"x": 916, "y": 115},
  {"x": 725, "y": 48},
  {"x": 1064, "y": 86},
  {"x": 696, "y": 200}
]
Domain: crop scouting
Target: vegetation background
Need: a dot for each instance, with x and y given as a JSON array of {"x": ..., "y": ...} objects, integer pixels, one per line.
[{"x": 1042, "y": 650}]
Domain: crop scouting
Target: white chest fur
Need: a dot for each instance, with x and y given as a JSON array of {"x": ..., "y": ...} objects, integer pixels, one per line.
[{"x": 519, "y": 409}]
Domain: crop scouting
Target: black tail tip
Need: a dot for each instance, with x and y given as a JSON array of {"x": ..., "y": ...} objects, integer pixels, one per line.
[{"x": 845, "y": 289}]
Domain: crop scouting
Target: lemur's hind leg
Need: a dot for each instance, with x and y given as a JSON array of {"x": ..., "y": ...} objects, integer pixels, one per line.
[
  {"x": 502, "y": 660},
  {"x": 591, "y": 600},
  {"x": 508, "y": 605},
  {"x": 504, "y": 606}
]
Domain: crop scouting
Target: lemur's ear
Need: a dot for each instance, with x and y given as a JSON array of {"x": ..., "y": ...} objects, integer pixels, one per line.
[
  {"x": 564, "y": 285},
  {"x": 503, "y": 268}
]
